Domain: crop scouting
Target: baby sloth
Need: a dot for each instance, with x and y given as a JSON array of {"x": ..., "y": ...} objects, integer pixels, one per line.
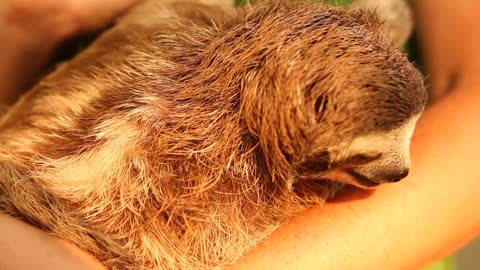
[{"x": 189, "y": 132}]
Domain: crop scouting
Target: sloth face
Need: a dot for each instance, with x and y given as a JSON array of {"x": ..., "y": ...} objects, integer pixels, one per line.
[
  {"x": 379, "y": 157},
  {"x": 325, "y": 93}
]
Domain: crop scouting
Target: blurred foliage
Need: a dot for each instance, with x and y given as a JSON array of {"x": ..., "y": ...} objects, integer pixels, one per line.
[
  {"x": 330, "y": 2},
  {"x": 241, "y": 2},
  {"x": 446, "y": 264},
  {"x": 339, "y": 2},
  {"x": 413, "y": 52}
]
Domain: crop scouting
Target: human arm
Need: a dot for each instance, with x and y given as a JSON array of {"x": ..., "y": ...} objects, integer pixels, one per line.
[
  {"x": 25, "y": 247},
  {"x": 450, "y": 34}
]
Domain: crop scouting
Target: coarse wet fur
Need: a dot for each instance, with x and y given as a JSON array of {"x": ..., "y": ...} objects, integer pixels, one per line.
[{"x": 189, "y": 132}]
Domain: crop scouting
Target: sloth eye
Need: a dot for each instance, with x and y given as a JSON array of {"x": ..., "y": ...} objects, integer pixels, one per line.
[
  {"x": 357, "y": 160},
  {"x": 364, "y": 158}
]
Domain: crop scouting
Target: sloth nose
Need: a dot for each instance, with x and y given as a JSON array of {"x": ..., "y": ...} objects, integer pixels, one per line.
[{"x": 395, "y": 176}]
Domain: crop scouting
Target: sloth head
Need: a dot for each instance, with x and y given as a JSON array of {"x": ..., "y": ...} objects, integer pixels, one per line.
[{"x": 324, "y": 93}]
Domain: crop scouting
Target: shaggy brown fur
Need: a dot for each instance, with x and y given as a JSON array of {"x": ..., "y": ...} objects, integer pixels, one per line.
[{"x": 189, "y": 132}]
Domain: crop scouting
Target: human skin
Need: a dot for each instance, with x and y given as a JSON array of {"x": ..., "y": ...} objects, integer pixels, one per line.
[
  {"x": 398, "y": 226},
  {"x": 30, "y": 30},
  {"x": 449, "y": 32},
  {"x": 25, "y": 247}
]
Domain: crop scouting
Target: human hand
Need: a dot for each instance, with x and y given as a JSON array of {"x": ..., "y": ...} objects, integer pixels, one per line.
[
  {"x": 31, "y": 30},
  {"x": 58, "y": 18}
]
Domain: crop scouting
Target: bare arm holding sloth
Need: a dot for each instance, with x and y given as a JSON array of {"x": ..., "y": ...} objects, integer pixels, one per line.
[{"x": 389, "y": 206}]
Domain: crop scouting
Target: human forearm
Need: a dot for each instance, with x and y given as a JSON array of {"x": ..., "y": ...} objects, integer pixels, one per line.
[
  {"x": 23, "y": 247},
  {"x": 449, "y": 37}
]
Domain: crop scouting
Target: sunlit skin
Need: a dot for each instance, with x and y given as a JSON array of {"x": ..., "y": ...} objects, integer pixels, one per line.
[{"x": 33, "y": 28}]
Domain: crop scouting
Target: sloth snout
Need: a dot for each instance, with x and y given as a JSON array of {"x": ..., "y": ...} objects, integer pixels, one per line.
[{"x": 393, "y": 175}]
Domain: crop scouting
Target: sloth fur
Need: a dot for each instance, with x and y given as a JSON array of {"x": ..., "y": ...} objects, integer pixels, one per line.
[{"x": 189, "y": 132}]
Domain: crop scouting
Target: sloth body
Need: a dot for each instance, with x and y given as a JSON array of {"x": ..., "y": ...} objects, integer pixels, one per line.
[{"x": 189, "y": 132}]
